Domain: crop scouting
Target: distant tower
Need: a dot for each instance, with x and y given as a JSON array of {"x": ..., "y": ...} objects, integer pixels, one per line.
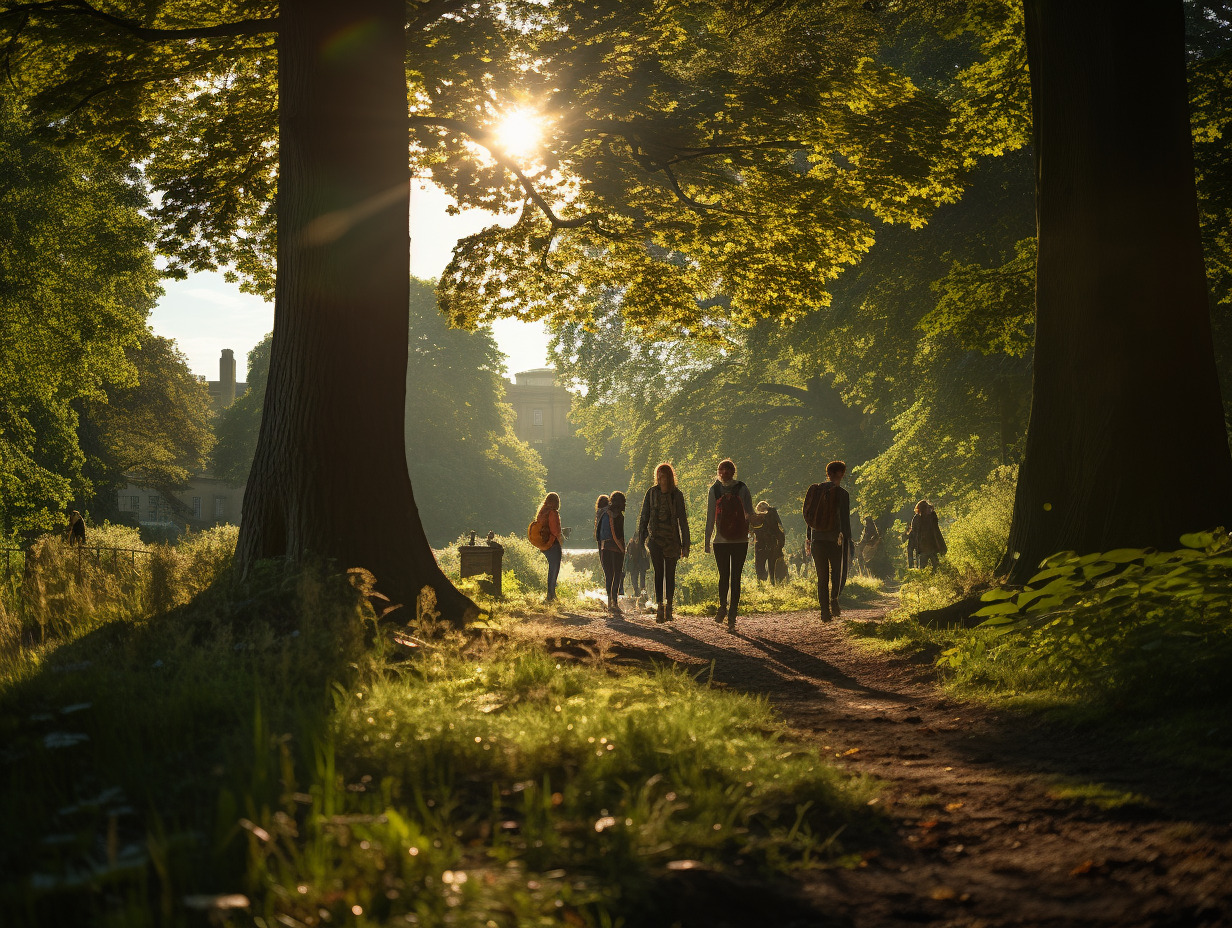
[{"x": 226, "y": 377}]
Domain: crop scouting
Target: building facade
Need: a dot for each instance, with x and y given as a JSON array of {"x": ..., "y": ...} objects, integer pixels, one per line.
[{"x": 540, "y": 404}]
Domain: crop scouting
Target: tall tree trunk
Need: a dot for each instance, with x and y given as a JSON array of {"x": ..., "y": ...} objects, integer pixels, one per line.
[
  {"x": 1126, "y": 445},
  {"x": 330, "y": 477}
]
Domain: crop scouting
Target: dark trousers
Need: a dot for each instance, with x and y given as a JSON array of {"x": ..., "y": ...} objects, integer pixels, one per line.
[
  {"x": 664, "y": 573},
  {"x": 730, "y": 557},
  {"x": 638, "y": 578},
  {"x": 613, "y": 571},
  {"x": 553, "y": 554},
  {"x": 828, "y": 558},
  {"x": 761, "y": 563},
  {"x": 929, "y": 557}
]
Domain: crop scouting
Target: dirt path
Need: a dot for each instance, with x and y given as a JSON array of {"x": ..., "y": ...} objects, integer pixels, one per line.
[{"x": 980, "y": 837}]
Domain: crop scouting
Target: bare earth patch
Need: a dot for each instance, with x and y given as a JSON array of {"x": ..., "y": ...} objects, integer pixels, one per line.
[{"x": 995, "y": 821}]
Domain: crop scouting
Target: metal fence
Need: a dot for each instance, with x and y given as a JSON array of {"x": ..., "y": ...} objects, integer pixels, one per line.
[{"x": 15, "y": 558}]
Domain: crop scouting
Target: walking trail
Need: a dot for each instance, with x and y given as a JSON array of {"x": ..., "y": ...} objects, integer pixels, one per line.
[{"x": 980, "y": 835}]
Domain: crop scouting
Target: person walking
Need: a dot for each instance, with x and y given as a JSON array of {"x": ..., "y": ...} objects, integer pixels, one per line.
[
  {"x": 912, "y": 537},
  {"x": 611, "y": 535},
  {"x": 866, "y": 547},
  {"x": 75, "y": 534},
  {"x": 664, "y": 525},
  {"x": 768, "y": 541},
  {"x": 729, "y": 510},
  {"x": 636, "y": 562},
  {"x": 828, "y": 517},
  {"x": 929, "y": 542},
  {"x": 549, "y": 515}
]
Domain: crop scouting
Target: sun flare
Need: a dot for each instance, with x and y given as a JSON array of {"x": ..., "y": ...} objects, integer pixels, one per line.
[{"x": 518, "y": 134}]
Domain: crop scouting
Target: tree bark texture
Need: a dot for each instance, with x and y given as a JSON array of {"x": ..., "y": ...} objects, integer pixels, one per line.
[
  {"x": 330, "y": 477},
  {"x": 1126, "y": 445}
]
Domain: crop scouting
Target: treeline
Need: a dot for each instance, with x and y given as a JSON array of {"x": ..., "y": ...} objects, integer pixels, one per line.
[
  {"x": 87, "y": 392},
  {"x": 919, "y": 370}
]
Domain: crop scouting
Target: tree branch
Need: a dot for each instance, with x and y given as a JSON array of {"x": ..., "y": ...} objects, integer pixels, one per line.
[
  {"x": 243, "y": 28},
  {"x": 485, "y": 139}
]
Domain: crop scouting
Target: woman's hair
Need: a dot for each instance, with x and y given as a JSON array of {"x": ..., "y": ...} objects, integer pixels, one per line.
[
  {"x": 617, "y": 501},
  {"x": 763, "y": 506},
  {"x": 74, "y": 516},
  {"x": 666, "y": 467},
  {"x": 601, "y": 502},
  {"x": 551, "y": 501},
  {"x": 726, "y": 462},
  {"x": 921, "y": 506}
]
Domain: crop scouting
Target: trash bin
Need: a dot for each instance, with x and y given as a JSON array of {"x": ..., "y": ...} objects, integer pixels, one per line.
[{"x": 483, "y": 558}]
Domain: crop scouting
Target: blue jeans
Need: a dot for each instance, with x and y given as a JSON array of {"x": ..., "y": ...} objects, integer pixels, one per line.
[{"x": 553, "y": 554}]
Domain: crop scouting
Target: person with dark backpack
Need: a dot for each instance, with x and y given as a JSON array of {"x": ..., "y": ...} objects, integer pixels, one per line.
[
  {"x": 665, "y": 527},
  {"x": 729, "y": 510},
  {"x": 611, "y": 536},
  {"x": 827, "y": 514},
  {"x": 768, "y": 543}
]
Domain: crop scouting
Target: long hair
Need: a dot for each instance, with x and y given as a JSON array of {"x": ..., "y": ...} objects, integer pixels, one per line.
[
  {"x": 617, "y": 501},
  {"x": 601, "y": 503},
  {"x": 666, "y": 467},
  {"x": 921, "y": 507},
  {"x": 551, "y": 501}
]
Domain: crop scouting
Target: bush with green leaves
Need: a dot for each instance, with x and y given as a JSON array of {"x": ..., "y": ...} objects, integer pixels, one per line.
[
  {"x": 1137, "y": 622},
  {"x": 976, "y": 539}
]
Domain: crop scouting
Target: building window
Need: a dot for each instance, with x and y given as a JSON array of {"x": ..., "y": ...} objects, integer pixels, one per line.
[
  {"x": 196, "y": 507},
  {"x": 134, "y": 504},
  {"x": 220, "y": 507},
  {"x": 538, "y": 417},
  {"x": 153, "y": 508}
]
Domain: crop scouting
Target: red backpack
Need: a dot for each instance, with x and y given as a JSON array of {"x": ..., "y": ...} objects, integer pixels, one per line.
[
  {"x": 729, "y": 515},
  {"x": 821, "y": 507}
]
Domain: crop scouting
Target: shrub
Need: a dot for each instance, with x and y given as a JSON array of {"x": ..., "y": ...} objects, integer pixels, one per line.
[
  {"x": 1134, "y": 621},
  {"x": 976, "y": 539}
]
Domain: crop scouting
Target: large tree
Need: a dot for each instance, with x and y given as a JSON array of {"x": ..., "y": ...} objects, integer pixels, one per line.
[
  {"x": 77, "y": 280},
  {"x": 155, "y": 432},
  {"x": 756, "y": 139},
  {"x": 1126, "y": 444}
]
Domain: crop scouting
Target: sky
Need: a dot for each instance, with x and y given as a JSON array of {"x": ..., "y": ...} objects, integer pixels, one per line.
[{"x": 205, "y": 314}]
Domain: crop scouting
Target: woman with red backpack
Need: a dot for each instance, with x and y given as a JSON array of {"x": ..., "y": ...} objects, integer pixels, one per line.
[{"x": 729, "y": 510}]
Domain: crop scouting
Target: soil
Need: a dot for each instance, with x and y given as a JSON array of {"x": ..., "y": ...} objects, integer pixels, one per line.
[{"x": 978, "y": 834}]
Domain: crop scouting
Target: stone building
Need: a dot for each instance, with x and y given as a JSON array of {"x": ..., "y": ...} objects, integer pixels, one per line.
[
  {"x": 541, "y": 406},
  {"x": 207, "y": 501}
]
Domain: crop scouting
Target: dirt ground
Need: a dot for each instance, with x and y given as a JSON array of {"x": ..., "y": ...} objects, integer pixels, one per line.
[{"x": 979, "y": 835}]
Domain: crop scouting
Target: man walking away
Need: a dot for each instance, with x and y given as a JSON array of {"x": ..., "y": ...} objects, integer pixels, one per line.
[{"x": 827, "y": 513}]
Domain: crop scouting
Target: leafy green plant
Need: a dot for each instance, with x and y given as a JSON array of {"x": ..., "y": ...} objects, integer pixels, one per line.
[{"x": 1132, "y": 620}]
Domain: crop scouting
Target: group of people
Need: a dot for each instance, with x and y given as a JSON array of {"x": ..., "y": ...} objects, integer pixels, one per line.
[{"x": 662, "y": 538}]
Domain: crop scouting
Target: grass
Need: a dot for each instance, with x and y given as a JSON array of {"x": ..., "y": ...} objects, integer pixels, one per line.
[
  {"x": 1136, "y": 660},
  {"x": 265, "y": 754}
]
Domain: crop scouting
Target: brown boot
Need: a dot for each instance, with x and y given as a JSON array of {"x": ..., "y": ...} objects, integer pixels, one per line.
[
  {"x": 834, "y": 609},
  {"x": 662, "y": 615},
  {"x": 670, "y": 617}
]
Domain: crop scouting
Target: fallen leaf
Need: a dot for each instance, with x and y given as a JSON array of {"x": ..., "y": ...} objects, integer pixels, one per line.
[
  {"x": 1083, "y": 868},
  {"x": 943, "y": 894},
  {"x": 851, "y": 751},
  {"x": 953, "y": 806}
]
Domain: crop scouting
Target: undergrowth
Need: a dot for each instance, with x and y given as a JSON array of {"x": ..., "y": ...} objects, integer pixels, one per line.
[{"x": 265, "y": 755}]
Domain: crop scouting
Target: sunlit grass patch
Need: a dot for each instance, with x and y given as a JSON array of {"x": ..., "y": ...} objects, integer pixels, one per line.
[
  {"x": 500, "y": 783},
  {"x": 1099, "y": 795},
  {"x": 263, "y": 753}
]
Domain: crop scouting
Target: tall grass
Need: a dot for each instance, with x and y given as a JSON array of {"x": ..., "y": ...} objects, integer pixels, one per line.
[{"x": 265, "y": 746}]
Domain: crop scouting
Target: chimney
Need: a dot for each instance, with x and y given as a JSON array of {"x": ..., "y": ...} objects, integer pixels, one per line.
[{"x": 226, "y": 377}]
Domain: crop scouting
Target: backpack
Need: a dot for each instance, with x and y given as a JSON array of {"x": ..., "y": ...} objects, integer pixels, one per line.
[
  {"x": 539, "y": 535},
  {"x": 729, "y": 515},
  {"x": 821, "y": 507}
]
